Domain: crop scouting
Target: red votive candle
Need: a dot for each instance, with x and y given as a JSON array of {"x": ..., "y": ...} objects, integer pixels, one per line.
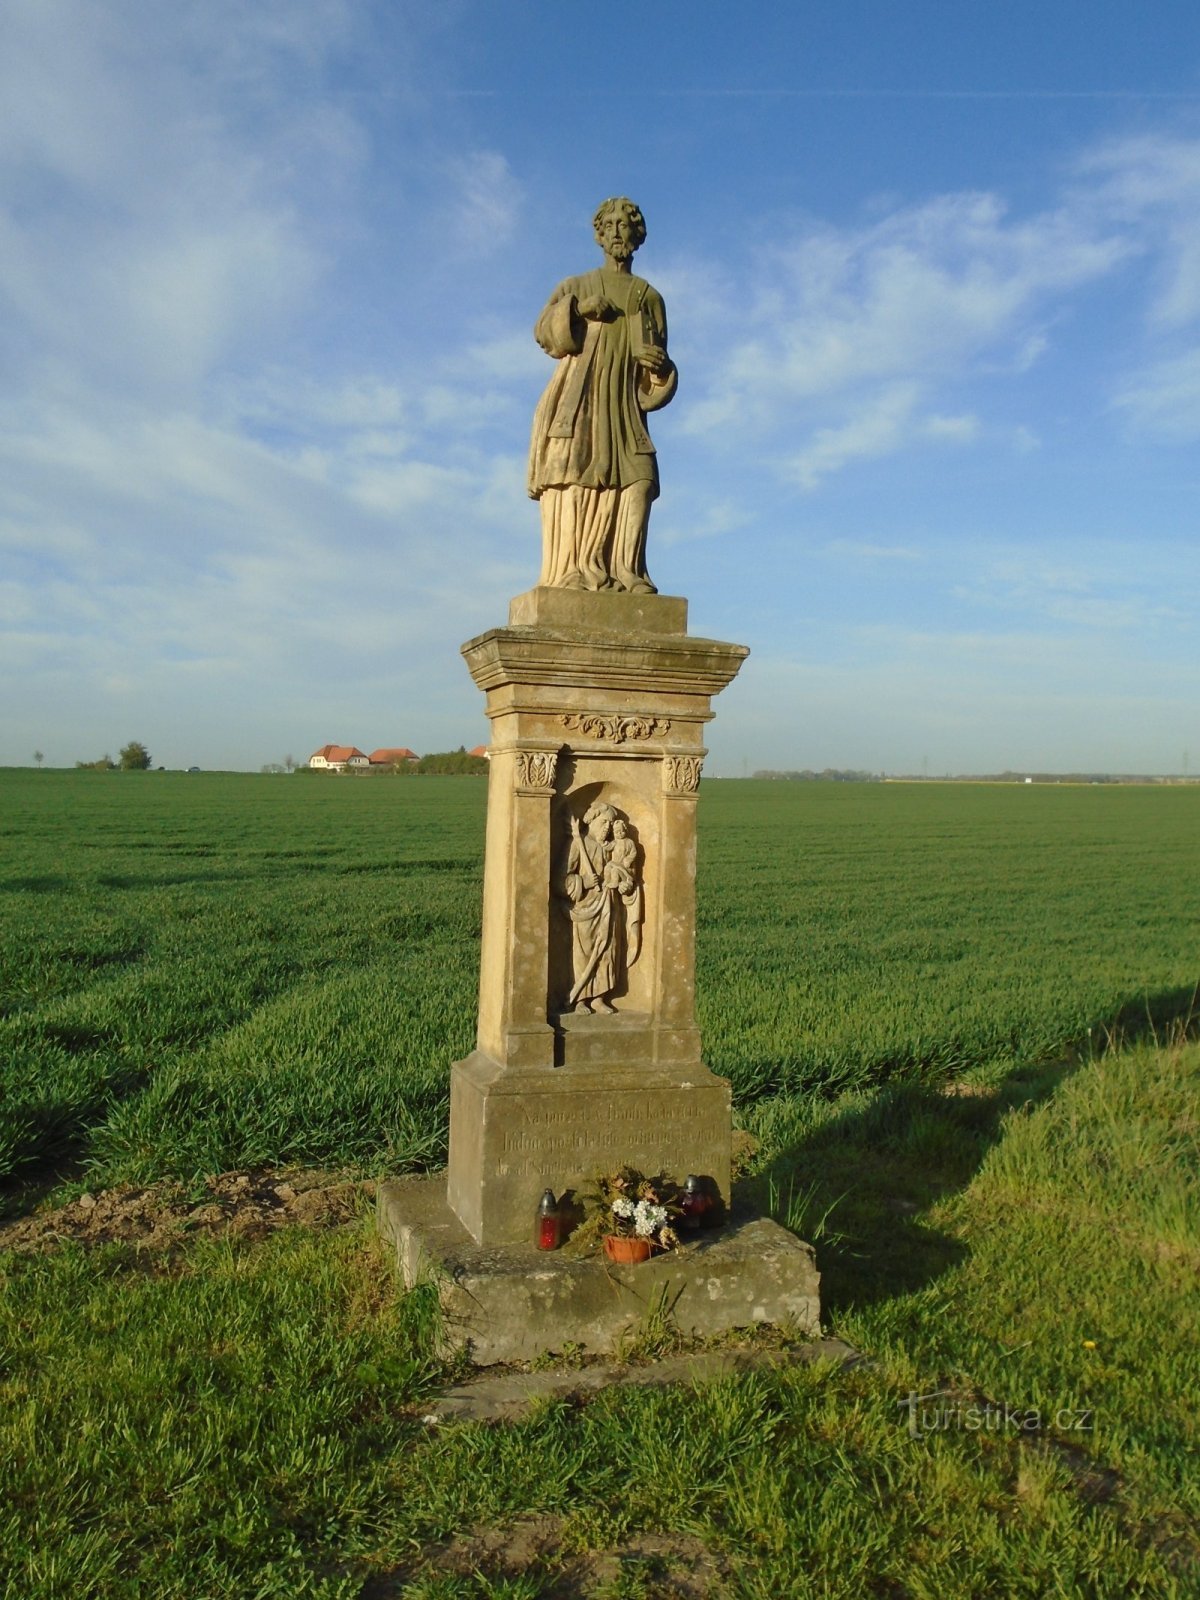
[
  {"x": 696, "y": 1202},
  {"x": 547, "y": 1233}
]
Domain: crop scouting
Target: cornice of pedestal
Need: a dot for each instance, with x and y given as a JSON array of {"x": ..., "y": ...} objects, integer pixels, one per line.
[{"x": 579, "y": 658}]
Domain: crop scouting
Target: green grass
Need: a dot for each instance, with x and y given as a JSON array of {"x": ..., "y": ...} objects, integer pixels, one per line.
[
  {"x": 244, "y": 1421},
  {"x": 208, "y": 971}
]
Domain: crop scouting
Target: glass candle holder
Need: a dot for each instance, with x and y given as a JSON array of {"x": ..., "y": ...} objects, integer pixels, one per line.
[
  {"x": 547, "y": 1226},
  {"x": 696, "y": 1203}
]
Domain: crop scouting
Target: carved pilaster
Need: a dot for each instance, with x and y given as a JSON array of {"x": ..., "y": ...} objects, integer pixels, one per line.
[
  {"x": 681, "y": 774},
  {"x": 535, "y": 771}
]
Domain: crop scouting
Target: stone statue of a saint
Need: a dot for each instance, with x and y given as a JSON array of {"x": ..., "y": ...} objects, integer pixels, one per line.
[
  {"x": 605, "y": 900},
  {"x": 591, "y": 462}
]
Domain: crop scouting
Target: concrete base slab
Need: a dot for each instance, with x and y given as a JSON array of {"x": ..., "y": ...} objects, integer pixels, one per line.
[
  {"x": 515, "y": 1303},
  {"x": 511, "y": 1396}
]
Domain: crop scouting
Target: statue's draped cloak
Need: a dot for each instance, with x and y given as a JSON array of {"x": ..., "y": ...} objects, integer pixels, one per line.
[
  {"x": 588, "y": 428},
  {"x": 598, "y": 945}
]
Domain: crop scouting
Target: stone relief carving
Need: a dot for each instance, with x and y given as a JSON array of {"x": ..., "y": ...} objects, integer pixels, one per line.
[
  {"x": 598, "y": 725},
  {"x": 591, "y": 462},
  {"x": 681, "y": 774},
  {"x": 535, "y": 769},
  {"x": 603, "y": 890}
]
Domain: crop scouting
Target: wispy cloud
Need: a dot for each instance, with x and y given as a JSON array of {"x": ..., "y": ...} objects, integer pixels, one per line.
[
  {"x": 1152, "y": 181},
  {"x": 1163, "y": 399},
  {"x": 854, "y": 338},
  {"x": 858, "y": 551},
  {"x": 484, "y": 201}
]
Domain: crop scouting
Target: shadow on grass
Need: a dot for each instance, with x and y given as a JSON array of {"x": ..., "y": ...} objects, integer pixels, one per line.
[
  {"x": 858, "y": 1185},
  {"x": 44, "y": 1140}
]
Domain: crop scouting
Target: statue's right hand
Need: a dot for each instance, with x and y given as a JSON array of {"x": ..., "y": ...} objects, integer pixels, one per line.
[{"x": 595, "y": 307}]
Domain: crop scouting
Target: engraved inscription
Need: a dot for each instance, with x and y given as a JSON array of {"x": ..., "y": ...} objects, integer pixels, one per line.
[
  {"x": 599, "y": 725},
  {"x": 554, "y": 1144},
  {"x": 681, "y": 774},
  {"x": 535, "y": 769}
]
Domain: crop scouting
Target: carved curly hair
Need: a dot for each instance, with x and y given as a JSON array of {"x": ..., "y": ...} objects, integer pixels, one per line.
[
  {"x": 634, "y": 213},
  {"x": 600, "y": 811}
]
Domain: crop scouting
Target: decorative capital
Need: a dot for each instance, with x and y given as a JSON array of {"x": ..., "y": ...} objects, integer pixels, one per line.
[
  {"x": 681, "y": 774},
  {"x": 535, "y": 771},
  {"x": 602, "y": 725}
]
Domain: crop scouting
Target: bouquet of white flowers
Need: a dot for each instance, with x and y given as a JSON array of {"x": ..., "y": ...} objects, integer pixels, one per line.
[{"x": 633, "y": 1206}]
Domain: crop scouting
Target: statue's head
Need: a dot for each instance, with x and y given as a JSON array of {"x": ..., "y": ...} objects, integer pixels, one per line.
[
  {"x": 613, "y": 239},
  {"x": 599, "y": 819}
]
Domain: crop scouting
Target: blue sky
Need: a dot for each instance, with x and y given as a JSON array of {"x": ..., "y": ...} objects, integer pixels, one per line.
[{"x": 268, "y": 276}]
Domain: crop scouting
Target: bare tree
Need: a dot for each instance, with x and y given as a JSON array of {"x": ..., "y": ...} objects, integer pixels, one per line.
[{"x": 38, "y": 758}]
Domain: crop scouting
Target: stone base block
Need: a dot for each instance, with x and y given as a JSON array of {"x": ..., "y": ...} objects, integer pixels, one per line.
[
  {"x": 515, "y": 1132},
  {"x": 605, "y": 611},
  {"x": 515, "y": 1303}
]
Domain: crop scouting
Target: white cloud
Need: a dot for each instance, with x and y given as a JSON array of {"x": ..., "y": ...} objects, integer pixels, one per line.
[
  {"x": 485, "y": 200},
  {"x": 912, "y": 299},
  {"x": 849, "y": 340},
  {"x": 710, "y": 520},
  {"x": 883, "y": 423},
  {"x": 151, "y": 219},
  {"x": 876, "y": 430},
  {"x": 858, "y": 551},
  {"x": 1163, "y": 399},
  {"x": 1152, "y": 182},
  {"x": 1097, "y": 594}
]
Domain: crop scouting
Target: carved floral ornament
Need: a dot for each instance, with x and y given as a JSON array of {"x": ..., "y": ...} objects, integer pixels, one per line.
[
  {"x": 681, "y": 774},
  {"x": 535, "y": 769},
  {"x": 600, "y": 725}
]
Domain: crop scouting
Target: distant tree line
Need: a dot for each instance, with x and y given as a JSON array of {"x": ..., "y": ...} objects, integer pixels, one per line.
[
  {"x": 829, "y": 775},
  {"x": 456, "y": 763},
  {"x": 134, "y": 758}
]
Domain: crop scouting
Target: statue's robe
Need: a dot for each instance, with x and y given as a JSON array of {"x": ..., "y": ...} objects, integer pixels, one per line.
[
  {"x": 597, "y": 923},
  {"x": 589, "y": 428}
]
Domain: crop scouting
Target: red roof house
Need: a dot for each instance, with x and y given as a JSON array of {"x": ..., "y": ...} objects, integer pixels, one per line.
[{"x": 337, "y": 758}]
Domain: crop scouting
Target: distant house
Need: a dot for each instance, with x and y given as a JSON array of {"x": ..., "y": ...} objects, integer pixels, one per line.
[
  {"x": 402, "y": 757},
  {"x": 339, "y": 758},
  {"x": 483, "y": 751}
]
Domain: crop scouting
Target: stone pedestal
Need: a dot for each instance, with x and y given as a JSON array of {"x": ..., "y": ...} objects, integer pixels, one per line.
[
  {"x": 514, "y": 1303},
  {"x": 593, "y": 698}
]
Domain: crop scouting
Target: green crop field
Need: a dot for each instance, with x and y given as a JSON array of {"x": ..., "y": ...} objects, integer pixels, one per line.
[
  {"x": 957, "y": 1021},
  {"x": 207, "y": 971}
]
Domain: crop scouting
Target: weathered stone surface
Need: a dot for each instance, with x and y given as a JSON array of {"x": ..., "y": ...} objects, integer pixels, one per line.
[
  {"x": 515, "y": 1303},
  {"x": 511, "y": 1396},
  {"x": 516, "y": 1132},
  {"x": 593, "y": 717},
  {"x": 605, "y": 611},
  {"x": 591, "y": 462},
  {"x": 606, "y": 671}
]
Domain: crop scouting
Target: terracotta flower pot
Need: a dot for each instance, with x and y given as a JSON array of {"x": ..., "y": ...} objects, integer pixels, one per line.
[{"x": 626, "y": 1251}]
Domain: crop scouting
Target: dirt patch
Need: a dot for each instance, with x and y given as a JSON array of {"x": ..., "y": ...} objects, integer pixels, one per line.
[
  {"x": 667, "y": 1566},
  {"x": 164, "y": 1215}
]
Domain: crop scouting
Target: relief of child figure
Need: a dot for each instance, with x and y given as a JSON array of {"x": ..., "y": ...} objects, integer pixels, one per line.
[{"x": 623, "y": 854}]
